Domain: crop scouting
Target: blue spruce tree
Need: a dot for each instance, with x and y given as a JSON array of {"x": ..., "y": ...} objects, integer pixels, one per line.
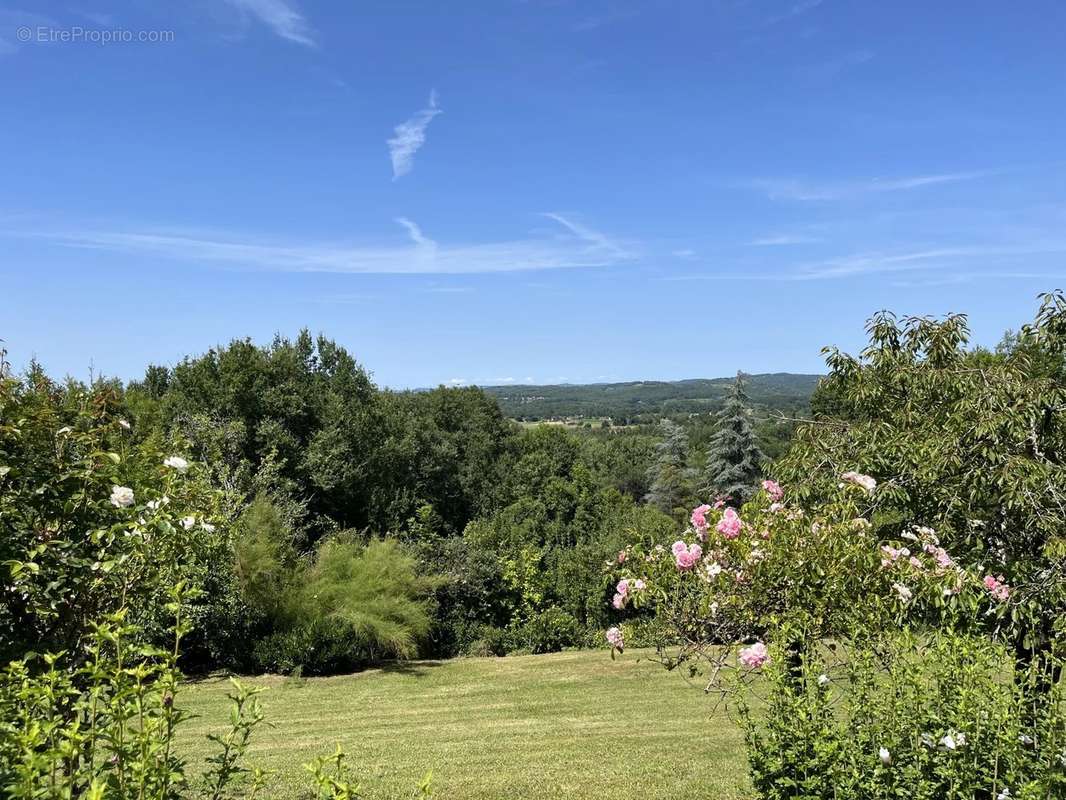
[
  {"x": 669, "y": 476},
  {"x": 734, "y": 459}
]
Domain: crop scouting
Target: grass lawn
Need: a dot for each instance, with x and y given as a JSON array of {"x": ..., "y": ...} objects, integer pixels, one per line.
[{"x": 567, "y": 725}]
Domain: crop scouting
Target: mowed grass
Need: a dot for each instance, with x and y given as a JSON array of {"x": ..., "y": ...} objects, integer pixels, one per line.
[{"x": 566, "y": 725}]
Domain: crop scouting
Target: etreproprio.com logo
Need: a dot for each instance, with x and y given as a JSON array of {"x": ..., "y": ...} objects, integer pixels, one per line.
[{"x": 76, "y": 34}]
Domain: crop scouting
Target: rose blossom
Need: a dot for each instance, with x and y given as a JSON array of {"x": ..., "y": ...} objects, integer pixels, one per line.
[
  {"x": 754, "y": 656},
  {"x": 997, "y": 587},
  {"x": 176, "y": 462},
  {"x": 729, "y": 524},
  {"x": 773, "y": 489},
  {"x": 623, "y": 587},
  {"x": 904, "y": 593},
  {"x": 121, "y": 496},
  {"x": 686, "y": 556},
  {"x": 699, "y": 517},
  {"x": 857, "y": 478},
  {"x": 614, "y": 638}
]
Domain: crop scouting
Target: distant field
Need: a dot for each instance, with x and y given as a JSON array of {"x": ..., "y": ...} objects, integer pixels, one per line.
[{"x": 568, "y": 725}]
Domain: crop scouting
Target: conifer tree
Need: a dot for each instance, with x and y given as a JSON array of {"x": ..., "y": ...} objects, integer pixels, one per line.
[
  {"x": 669, "y": 476},
  {"x": 733, "y": 456}
]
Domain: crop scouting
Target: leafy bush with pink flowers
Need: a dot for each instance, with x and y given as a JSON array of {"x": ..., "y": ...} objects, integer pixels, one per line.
[
  {"x": 899, "y": 600},
  {"x": 856, "y": 644}
]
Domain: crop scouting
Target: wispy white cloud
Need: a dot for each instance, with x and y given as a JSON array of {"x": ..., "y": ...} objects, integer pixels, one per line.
[
  {"x": 595, "y": 239},
  {"x": 942, "y": 263},
  {"x": 576, "y": 246},
  {"x": 281, "y": 17},
  {"x": 686, "y": 252},
  {"x": 935, "y": 258},
  {"x": 783, "y": 239},
  {"x": 794, "y": 10},
  {"x": 793, "y": 189},
  {"x": 457, "y": 382},
  {"x": 410, "y": 136}
]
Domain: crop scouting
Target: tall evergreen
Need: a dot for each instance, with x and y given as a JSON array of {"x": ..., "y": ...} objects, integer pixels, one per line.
[
  {"x": 733, "y": 456},
  {"x": 669, "y": 476}
]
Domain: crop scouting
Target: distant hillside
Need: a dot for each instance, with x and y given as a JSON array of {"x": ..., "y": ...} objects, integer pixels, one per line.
[{"x": 639, "y": 400}]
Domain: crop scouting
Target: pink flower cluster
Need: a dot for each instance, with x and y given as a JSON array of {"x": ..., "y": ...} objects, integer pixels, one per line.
[
  {"x": 997, "y": 587},
  {"x": 729, "y": 525},
  {"x": 754, "y": 656},
  {"x": 699, "y": 520},
  {"x": 940, "y": 555},
  {"x": 858, "y": 479},
  {"x": 890, "y": 555},
  {"x": 614, "y": 639},
  {"x": 624, "y": 590},
  {"x": 686, "y": 555},
  {"x": 774, "y": 490}
]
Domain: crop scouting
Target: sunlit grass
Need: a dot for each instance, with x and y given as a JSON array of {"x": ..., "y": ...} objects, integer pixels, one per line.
[{"x": 568, "y": 725}]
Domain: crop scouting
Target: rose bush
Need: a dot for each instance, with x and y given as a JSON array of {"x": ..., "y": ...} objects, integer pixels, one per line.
[{"x": 858, "y": 644}]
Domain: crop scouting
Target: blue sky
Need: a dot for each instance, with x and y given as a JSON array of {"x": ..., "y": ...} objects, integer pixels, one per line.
[{"x": 537, "y": 191}]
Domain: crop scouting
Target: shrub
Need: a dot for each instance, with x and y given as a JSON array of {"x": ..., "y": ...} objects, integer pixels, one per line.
[
  {"x": 92, "y": 519},
  {"x": 321, "y": 647},
  {"x": 547, "y": 631},
  {"x": 931, "y": 718},
  {"x": 106, "y": 727},
  {"x": 491, "y": 641},
  {"x": 372, "y": 589},
  {"x": 900, "y": 628}
]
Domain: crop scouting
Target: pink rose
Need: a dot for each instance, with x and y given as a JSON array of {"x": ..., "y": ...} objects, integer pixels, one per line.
[
  {"x": 754, "y": 656},
  {"x": 773, "y": 489},
  {"x": 699, "y": 517},
  {"x": 687, "y": 555},
  {"x": 623, "y": 587},
  {"x": 865, "y": 481},
  {"x": 729, "y": 524},
  {"x": 997, "y": 587},
  {"x": 614, "y": 638}
]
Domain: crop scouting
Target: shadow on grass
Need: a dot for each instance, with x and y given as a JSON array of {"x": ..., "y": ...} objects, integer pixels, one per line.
[{"x": 417, "y": 669}]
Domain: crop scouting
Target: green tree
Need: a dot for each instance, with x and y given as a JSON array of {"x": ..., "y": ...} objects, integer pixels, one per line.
[
  {"x": 669, "y": 476},
  {"x": 734, "y": 458},
  {"x": 968, "y": 442}
]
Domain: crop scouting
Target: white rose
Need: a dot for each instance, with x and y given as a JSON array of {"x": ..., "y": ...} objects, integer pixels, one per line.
[
  {"x": 176, "y": 462},
  {"x": 121, "y": 496}
]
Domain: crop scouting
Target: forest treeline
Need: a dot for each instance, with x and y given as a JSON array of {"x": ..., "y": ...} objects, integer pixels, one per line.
[
  {"x": 360, "y": 523},
  {"x": 644, "y": 402}
]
